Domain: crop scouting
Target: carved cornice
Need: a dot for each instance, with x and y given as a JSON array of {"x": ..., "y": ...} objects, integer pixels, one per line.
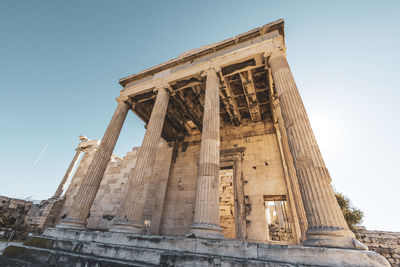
[{"x": 208, "y": 49}]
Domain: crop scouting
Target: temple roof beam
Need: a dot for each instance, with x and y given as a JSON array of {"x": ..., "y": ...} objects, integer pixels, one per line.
[{"x": 251, "y": 97}]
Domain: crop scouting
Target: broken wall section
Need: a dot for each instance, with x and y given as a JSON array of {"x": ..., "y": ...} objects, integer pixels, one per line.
[
  {"x": 115, "y": 182},
  {"x": 385, "y": 243},
  {"x": 13, "y": 213}
]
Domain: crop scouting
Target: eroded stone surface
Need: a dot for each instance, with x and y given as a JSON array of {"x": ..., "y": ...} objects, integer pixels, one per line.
[{"x": 79, "y": 246}]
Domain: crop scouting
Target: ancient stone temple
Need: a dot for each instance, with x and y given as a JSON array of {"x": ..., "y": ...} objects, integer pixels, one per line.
[{"x": 228, "y": 174}]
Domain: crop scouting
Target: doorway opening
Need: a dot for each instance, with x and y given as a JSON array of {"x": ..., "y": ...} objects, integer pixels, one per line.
[
  {"x": 227, "y": 202},
  {"x": 277, "y": 218}
]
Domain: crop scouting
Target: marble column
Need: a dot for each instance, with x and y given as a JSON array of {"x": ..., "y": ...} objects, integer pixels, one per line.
[
  {"x": 326, "y": 224},
  {"x": 296, "y": 202},
  {"x": 86, "y": 194},
  {"x": 279, "y": 213},
  {"x": 206, "y": 213},
  {"x": 67, "y": 174},
  {"x": 130, "y": 214}
]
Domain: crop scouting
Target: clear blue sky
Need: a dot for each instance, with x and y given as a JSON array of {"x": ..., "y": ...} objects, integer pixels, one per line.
[{"x": 60, "y": 62}]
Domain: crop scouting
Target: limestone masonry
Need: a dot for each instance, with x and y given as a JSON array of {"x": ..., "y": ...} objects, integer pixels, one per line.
[{"x": 228, "y": 174}]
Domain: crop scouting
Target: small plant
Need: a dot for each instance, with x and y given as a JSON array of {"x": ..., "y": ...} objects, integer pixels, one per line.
[{"x": 352, "y": 215}]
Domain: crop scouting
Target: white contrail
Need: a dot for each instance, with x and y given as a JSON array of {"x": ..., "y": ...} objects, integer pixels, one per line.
[{"x": 31, "y": 169}]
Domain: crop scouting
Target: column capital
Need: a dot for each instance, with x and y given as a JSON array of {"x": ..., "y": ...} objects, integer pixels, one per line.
[
  {"x": 83, "y": 138},
  {"x": 171, "y": 90},
  {"x": 275, "y": 53},
  {"x": 127, "y": 100},
  {"x": 217, "y": 69},
  {"x": 165, "y": 86},
  {"x": 213, "y": 69}
]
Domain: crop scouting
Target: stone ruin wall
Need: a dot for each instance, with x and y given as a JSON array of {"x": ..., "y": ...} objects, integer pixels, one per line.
[
  {"x": 114, "y": 185},
  {"x": 45, "y": 213},
  {"x": 279, "y": 233},
  {"x": 115, "y": 182},
  {"x": 385, "y": 243},
  {"x": 13, "y": 213}
]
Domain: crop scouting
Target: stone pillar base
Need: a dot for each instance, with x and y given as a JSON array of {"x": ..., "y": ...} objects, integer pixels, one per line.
[
  {"x": 208, "y": 231},
  {"x": 70, "y": 223},
  {"x": 332, "y": 239},
  {"x": 127, "y": 227}
]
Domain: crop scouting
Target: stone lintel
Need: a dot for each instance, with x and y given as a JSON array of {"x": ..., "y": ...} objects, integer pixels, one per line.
[
  {"x": 193, "y": 54},
  {"x": 269, "y": 43}
]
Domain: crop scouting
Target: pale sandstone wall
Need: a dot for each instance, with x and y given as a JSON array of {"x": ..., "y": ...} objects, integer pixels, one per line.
[
  {"x": 262, "y": 172},
  {"x": 45, "y": 213},
  {"x": 178, "y": 211},
  {"x": 115, "y": 181},
  {"x": 111, "y": 191},
  {"x": 158, "y": 186}
]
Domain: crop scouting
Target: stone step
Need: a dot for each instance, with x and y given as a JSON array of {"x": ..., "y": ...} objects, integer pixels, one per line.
[
  {"x": 58, "y": 245},
  {"x": 61, "y": 255},
  {"x": 12, "y": 262},
  {"x": 112, "y": 251},
  {"x": 164, "y": 255},
  {"x": 32, "y": 256}
]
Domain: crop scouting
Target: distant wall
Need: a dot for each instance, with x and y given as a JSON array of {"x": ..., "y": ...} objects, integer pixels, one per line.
[
  {"x": 12, "y": 217},
  {"x": 44, "y": 214},
  {"x": 385, "y": 243}
]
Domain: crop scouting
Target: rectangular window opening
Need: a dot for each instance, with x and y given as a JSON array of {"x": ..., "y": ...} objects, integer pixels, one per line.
[{"x": 277, "y": 218}]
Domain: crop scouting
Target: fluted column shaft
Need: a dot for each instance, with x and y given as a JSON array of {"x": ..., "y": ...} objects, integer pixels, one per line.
[
  {"x": 86, "y": 194},
  {"x": 130, "y": 215},
  {"x": 67, "y": 174},
  {"x": 206, "y": 214},
  {"x": 291, "y": 171},
  {"x": 326, "y": 224}
]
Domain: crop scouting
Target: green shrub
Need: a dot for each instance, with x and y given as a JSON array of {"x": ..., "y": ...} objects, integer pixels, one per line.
[{"x": 352, "y": 215}]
